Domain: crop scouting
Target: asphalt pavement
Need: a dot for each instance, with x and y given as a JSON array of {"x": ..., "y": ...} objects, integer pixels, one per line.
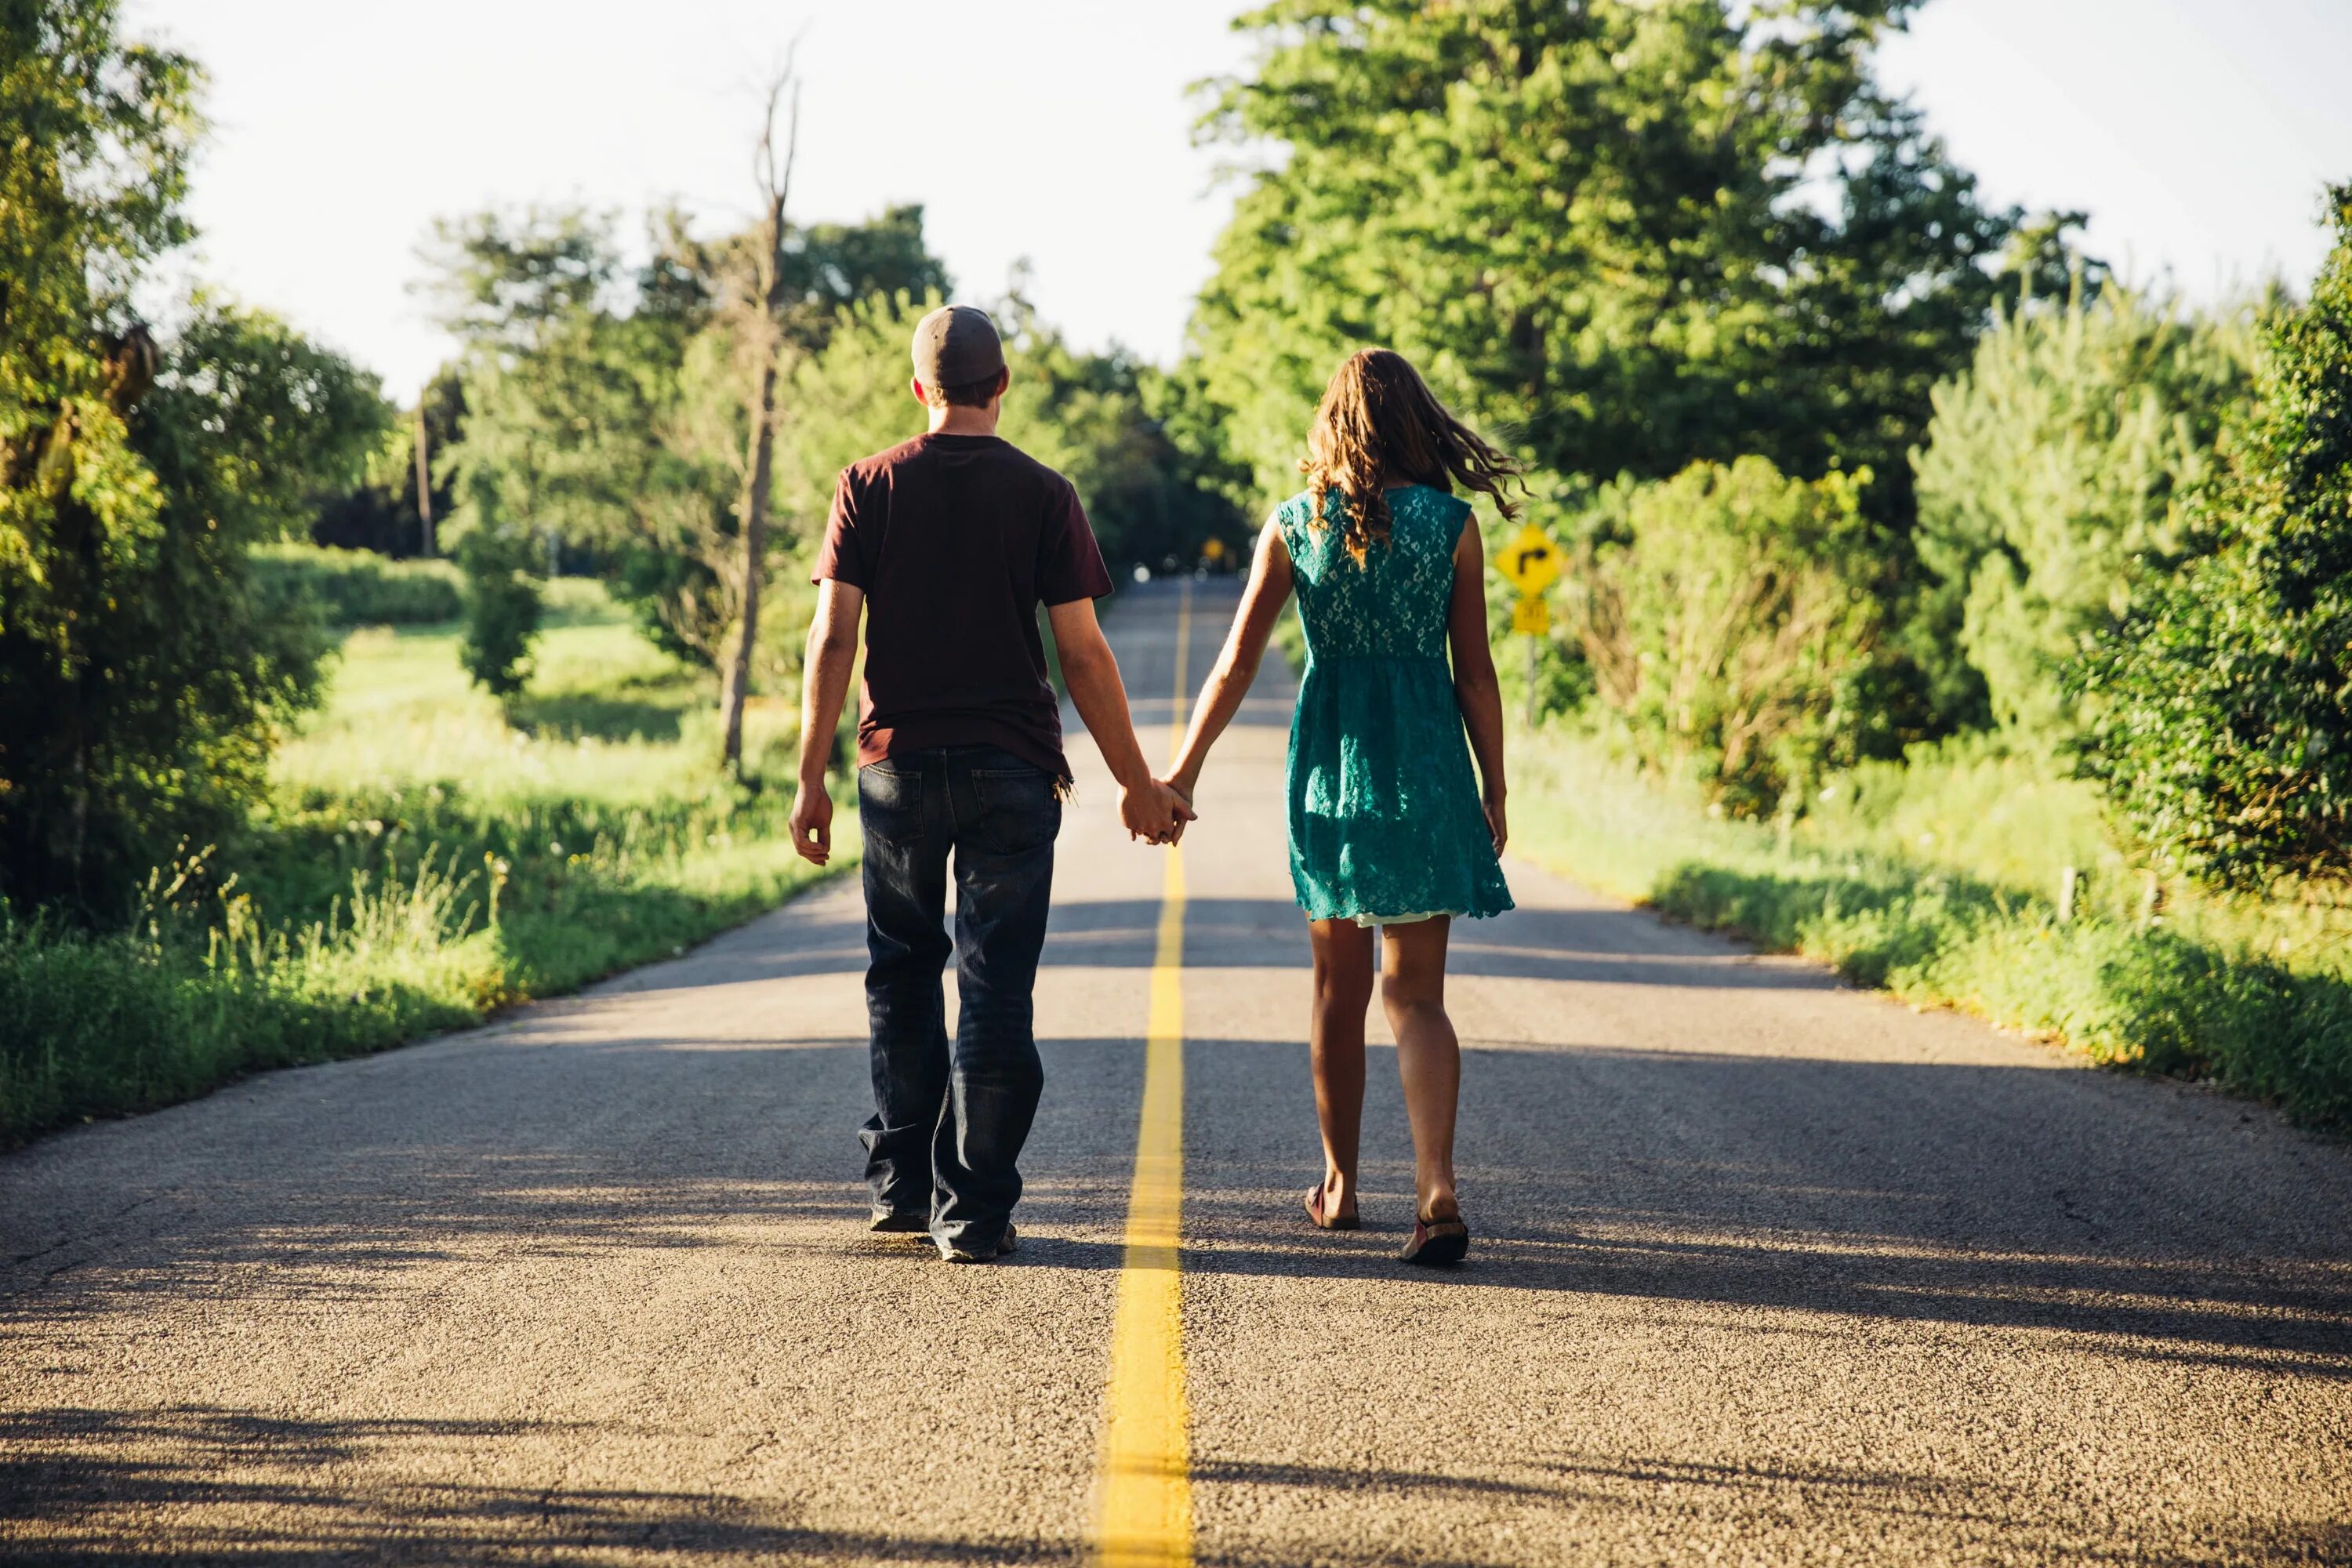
[{"x": 1767, "y": 1271}]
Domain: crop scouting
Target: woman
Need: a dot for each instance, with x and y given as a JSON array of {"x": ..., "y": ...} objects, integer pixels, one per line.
[{"x": 1388, "y": 827}]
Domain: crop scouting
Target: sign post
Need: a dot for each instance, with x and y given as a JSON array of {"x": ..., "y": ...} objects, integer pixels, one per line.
[{"x": 1530, "y": 563}]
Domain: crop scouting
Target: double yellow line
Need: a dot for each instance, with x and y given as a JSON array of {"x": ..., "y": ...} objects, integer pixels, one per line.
[{"x": 1143, "y": 1479}]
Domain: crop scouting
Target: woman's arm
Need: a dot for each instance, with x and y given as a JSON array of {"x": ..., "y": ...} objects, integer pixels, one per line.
[
  {"x": 1475, "y": 687},
  {"x": 1221, "y": 698}
]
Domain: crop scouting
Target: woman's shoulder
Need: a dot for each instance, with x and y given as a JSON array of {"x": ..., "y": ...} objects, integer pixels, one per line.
[
  {"x": 1296, "y": 511},
  {"x": 1295, "y": 518}
]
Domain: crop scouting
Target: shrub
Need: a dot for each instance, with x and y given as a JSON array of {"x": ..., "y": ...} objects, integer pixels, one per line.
[
  {"x": 2053, "y": 486},
  {"x": 362, "y": 588},
  {"x": 1912, "y": 883},
  {"x": 1729, "y": 617},
  {"x": 2224, "y": 727},
  {"x": 503, "y": 608}
]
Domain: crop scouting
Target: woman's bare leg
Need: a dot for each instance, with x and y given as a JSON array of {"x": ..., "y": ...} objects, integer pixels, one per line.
[
  {"x": 1429, "y": 1058},
  {"x": 1343, "y": 990}
]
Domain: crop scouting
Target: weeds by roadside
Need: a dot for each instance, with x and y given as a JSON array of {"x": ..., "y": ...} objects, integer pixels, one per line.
[
  {"x": 426, "y": 858},
  {"x": 2256, "y": 999}
]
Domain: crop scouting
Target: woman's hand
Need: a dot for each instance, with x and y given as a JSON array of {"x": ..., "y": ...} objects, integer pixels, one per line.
[
  {"x": 1496, "y": 822},
  {"x": 1181, "y": 787}
]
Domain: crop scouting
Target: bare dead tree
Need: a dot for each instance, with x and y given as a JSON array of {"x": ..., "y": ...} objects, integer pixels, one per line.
[{"x": 771, "y": 169}]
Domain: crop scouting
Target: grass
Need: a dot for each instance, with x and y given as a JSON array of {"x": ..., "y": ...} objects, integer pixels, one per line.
[
  {"x": 426, "y": 857},
  {"x": 1937, "y": 880}
]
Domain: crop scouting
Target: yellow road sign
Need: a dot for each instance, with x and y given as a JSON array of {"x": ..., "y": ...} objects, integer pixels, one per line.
[
  {"x": 1530, "y": 562},
  {"x": 1532, "y": 617}
]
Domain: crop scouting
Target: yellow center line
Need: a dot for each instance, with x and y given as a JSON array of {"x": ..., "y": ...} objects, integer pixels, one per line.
[{"x": 1143, "y": 1480}]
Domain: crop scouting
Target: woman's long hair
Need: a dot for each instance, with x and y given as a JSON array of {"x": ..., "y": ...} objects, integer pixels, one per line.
[{"x": 1380, "y": 425}]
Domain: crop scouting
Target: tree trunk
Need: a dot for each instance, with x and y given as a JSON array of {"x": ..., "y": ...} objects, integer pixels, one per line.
[
  {"x": 764, "y": 335},
  {"x": 753, "y": 516}
]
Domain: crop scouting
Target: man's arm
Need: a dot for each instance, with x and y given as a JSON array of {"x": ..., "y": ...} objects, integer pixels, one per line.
[
  {"x": 824, "y": 686},
  {"x": 1150, "y": 808}
]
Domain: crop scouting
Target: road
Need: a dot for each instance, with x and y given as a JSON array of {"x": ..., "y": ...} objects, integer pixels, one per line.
[{"x": 1767, "y": 1270}]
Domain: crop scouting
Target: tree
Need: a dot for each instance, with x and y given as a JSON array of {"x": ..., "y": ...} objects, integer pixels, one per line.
[
  {"x": 610, "y": 402},
  {"x": 760, "y": 317},
  {"x": 502, "y": 600},
  {"x": 2222, "y": 705},
  {"x": 2054, "y": 485},
  {"x": 383, "y": 513},
  {"x": 152, "y": 716},
  {"x": 143, "y": 669},
  {"x": 1728, "y": 617},
  {"x": 1102, "y": 419},
  {"x": 1624, "y": 235},
  {"x": 524, "y": 298}
]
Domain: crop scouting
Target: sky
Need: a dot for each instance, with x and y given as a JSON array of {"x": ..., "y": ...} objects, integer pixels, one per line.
[{"x": 1057, "y": 132}]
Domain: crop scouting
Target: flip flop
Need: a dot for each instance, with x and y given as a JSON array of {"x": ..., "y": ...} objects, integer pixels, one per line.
[
  {"x": 1315, "y": 1212},
  {"x": 1437, "y": 1242}
]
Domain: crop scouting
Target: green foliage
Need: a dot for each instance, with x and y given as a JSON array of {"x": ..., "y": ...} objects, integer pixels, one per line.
[
  {"x": 1098, "y": 419},
  {"x": 382, "y": 514},
  {"x": 1625, "y": 235},
  {"x": 1728, "y": 617},
  {"x": 606, "y": 406},
  {"x": 99, "y": 134},
  {"x": 502, "y": 605},
  {"x": 143, "y": 668},
  {"x": 143, "y": 677},
  {"x": 2223, "y": 730},
  {"x": 284, "y": 421},
  {"x": 2052, "y": 489},
  {"x": 361, "y": 588}
]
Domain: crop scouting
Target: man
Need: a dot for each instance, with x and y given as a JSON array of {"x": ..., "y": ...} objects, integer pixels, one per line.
[{"x": 949, "y": 542}]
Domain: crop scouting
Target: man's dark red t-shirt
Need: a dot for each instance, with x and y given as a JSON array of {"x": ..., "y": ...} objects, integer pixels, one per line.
[{"x": 955, "y": 541}]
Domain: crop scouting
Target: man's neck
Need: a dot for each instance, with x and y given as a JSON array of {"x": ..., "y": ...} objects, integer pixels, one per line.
[{"x": 961, "y": 419}]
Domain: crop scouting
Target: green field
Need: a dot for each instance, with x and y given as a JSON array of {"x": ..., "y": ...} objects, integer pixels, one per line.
[{"x": 424, "y": 857}]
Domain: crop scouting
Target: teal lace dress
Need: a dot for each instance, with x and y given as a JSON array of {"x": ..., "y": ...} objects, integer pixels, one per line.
[{"x": 1385, "y": 822}]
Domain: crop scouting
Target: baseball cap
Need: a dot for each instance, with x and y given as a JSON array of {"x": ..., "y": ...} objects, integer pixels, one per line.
[{"x": 956, "y": 346}]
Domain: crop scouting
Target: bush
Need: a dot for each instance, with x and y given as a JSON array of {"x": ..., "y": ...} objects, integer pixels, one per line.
[
  {"x": 2051, "y": 488},
  {"x": 387, "y": 927},
  {"x": 1727, "y": 615},
  {"x": 361, "y": 588},
  {"x": 503, "y": 608},
  {"x": 145, "y": 664},
  {"x": 2223, "y": 732}
]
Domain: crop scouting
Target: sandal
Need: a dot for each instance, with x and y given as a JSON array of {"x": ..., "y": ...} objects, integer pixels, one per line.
[
  {"x": 1315, "y": 1212},
  {"x": 1437, "y": 1242}
]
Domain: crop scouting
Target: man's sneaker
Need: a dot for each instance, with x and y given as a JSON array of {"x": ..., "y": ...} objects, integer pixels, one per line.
[
  {"x": 958, "y": 1252},
  {"x": 890, "y": 1222}
]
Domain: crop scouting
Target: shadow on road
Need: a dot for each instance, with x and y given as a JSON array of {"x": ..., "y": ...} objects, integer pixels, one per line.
[
  {"x": 226, "y": 1485},
  {"x": 1604, "y": 946},
  {"x": 1888, "y": 1190}
]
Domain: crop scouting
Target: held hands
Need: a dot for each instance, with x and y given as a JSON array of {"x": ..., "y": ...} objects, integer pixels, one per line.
[{"x": 1154, "y": 812}]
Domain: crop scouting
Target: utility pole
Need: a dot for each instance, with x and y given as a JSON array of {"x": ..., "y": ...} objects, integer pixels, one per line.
[{"x": 423, "y": 478}]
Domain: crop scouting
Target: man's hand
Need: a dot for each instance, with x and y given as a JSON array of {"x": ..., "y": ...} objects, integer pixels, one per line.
[
  {"x": 1153, "y": 811},
  {"x": 812, "y": 824}
]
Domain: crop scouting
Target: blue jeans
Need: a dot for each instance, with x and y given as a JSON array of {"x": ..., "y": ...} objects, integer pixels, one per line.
[{"x": 949, "y": 1121}]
